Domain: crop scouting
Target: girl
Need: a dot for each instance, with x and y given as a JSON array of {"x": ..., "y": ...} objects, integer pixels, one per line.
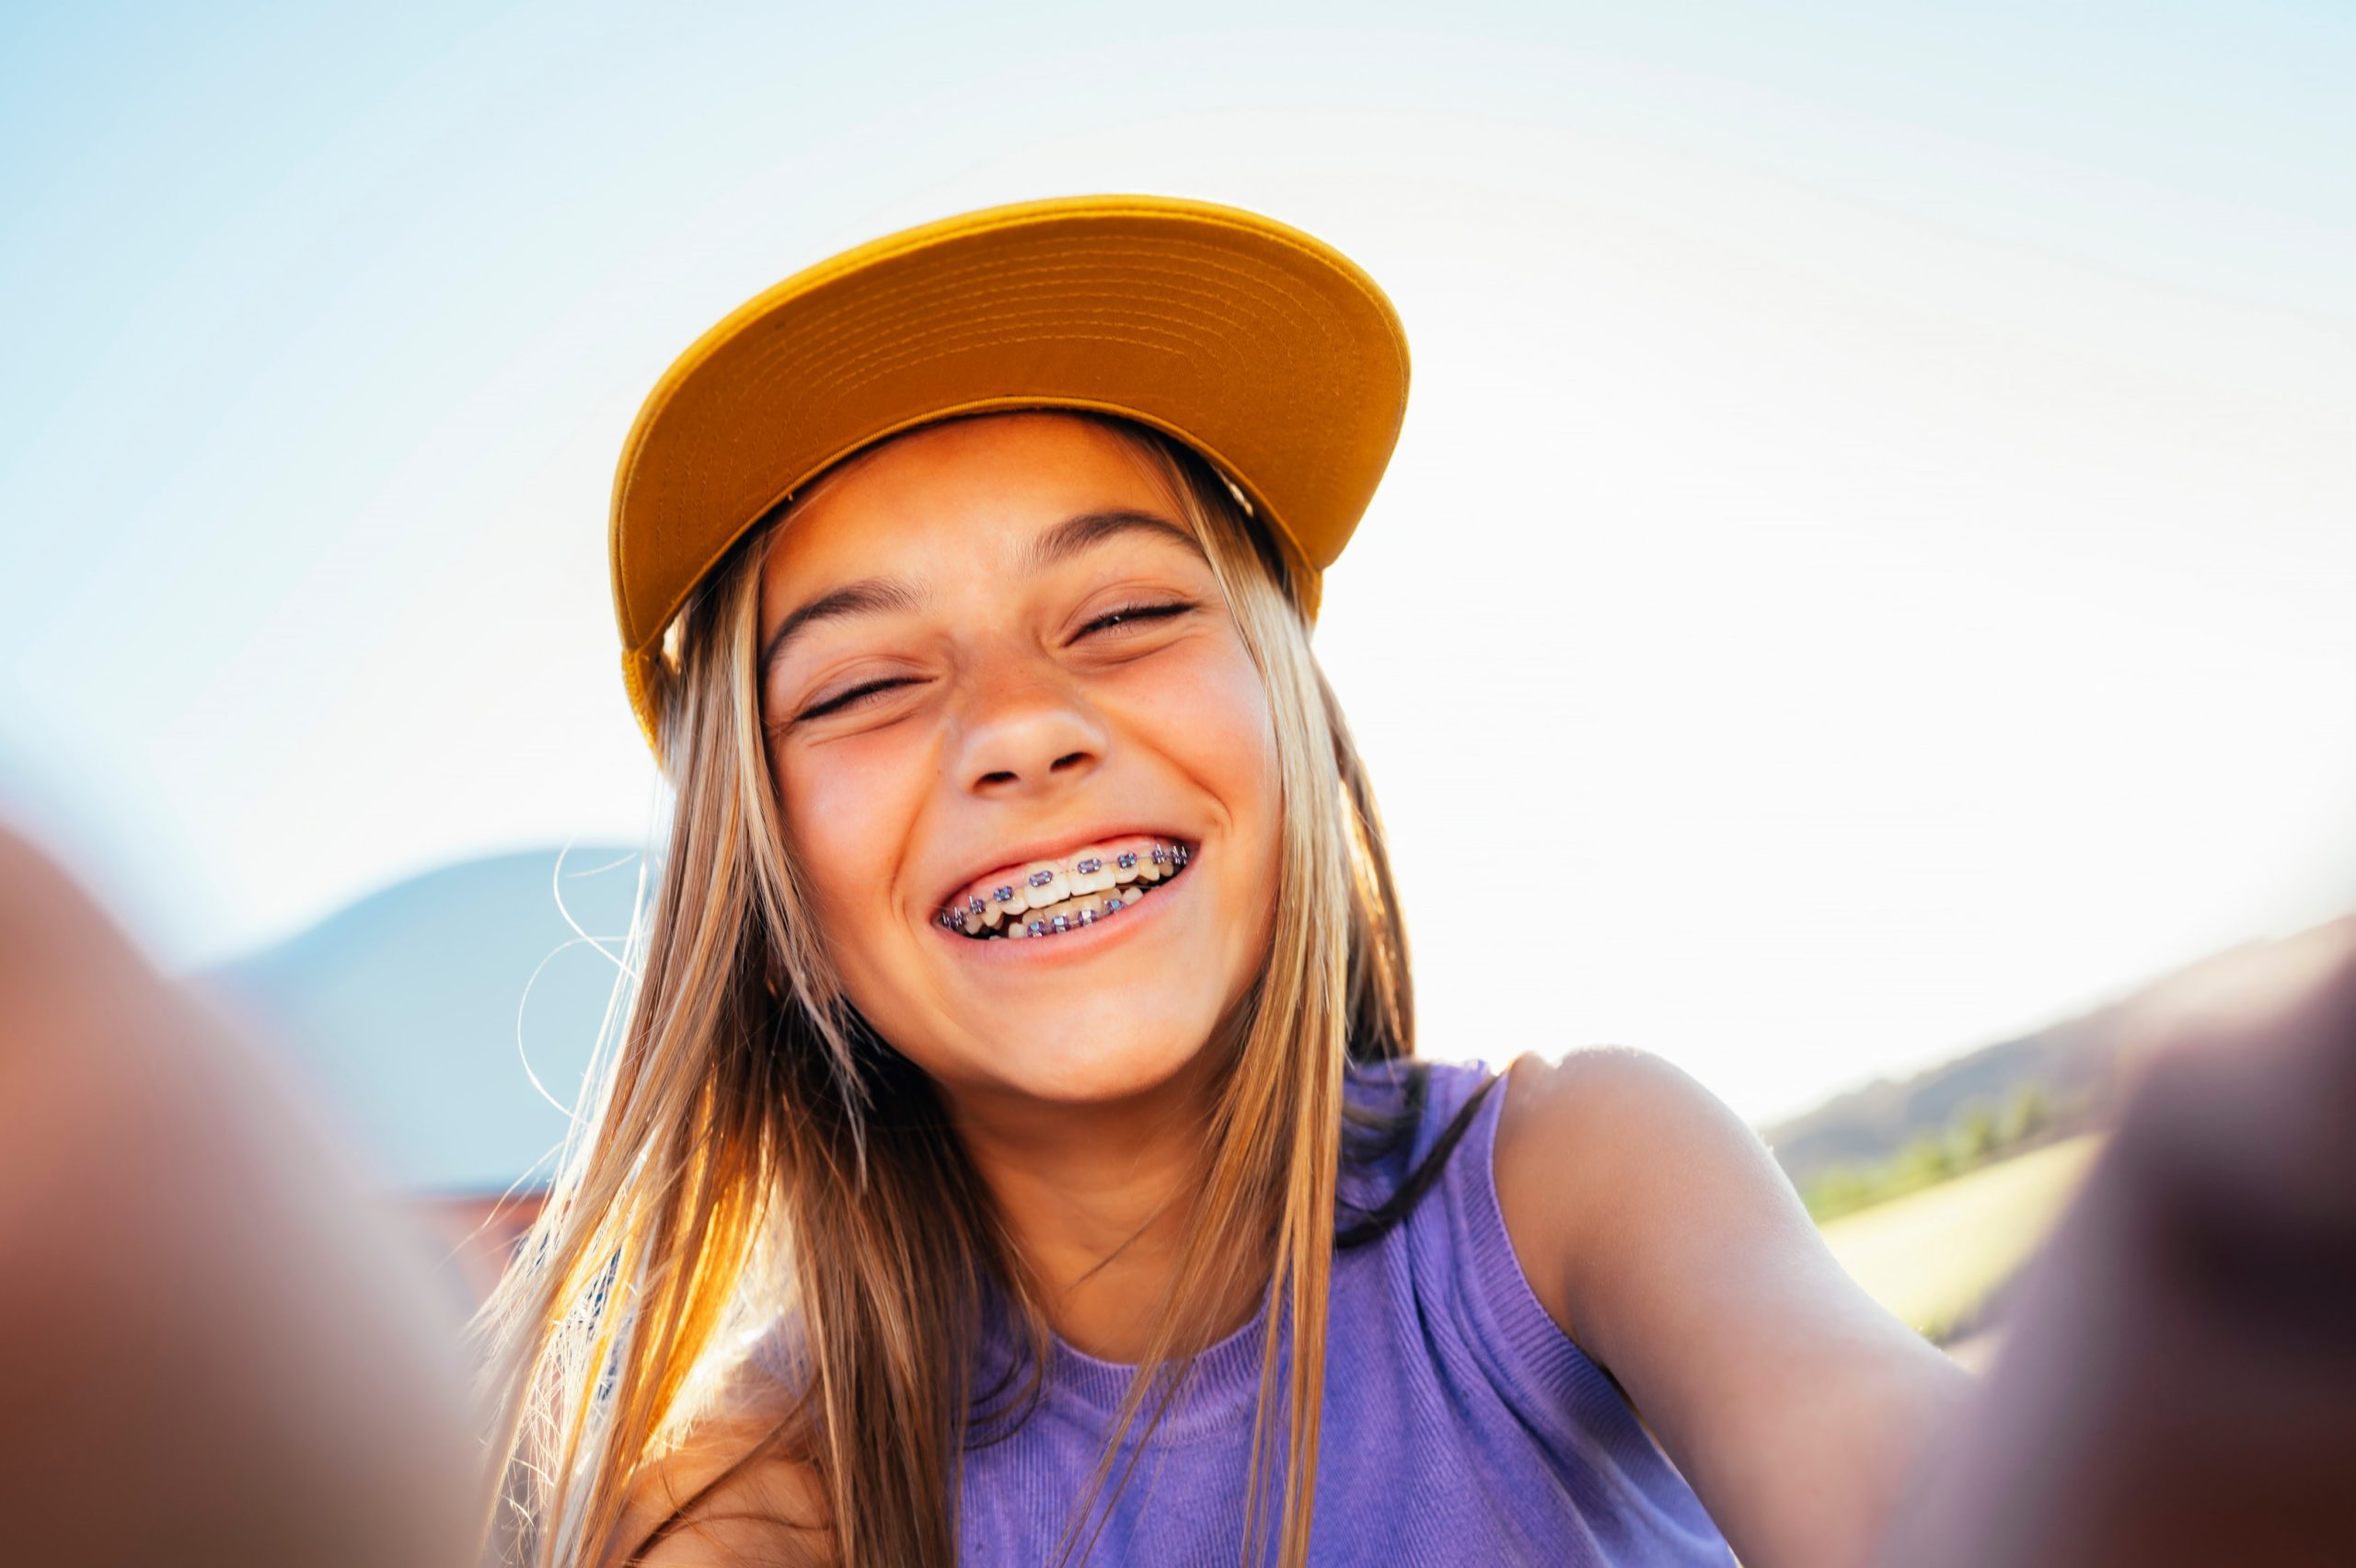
[{"x": 1015, "y": 1151}]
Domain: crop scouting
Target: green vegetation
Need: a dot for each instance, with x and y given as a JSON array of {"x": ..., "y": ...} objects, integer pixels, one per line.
[
  {"x": 1979, "y": 1134},
  {"x": 1938, "y": 1257}
]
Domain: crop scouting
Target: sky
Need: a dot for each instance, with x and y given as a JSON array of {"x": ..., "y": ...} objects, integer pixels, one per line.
[{"x": 1865, "y": 569}]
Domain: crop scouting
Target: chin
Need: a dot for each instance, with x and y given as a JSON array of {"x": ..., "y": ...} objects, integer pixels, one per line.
[
  {"x": 1080, "y": 1065},
  {"x": 1096, "y": 1063}
]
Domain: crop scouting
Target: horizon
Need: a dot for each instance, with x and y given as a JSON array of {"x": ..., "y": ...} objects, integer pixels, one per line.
[{"x": 610, "y": 856}]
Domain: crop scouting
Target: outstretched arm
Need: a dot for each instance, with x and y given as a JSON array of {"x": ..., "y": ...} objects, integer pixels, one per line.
[
  {"x": 213, "y": 1343},
  {"x": 1659, "y": 1233}
]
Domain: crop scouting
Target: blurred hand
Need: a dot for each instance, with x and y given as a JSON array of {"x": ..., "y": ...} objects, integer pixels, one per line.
[
  {"x": 2179, "y": 1382},
  {"x": 213, "y": 1346}
]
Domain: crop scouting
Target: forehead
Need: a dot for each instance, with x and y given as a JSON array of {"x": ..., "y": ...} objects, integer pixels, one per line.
[{"x": 967, "y": 495}]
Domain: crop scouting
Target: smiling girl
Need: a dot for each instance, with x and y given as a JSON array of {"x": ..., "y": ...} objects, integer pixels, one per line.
[{"x": 1014, "y": 1151}]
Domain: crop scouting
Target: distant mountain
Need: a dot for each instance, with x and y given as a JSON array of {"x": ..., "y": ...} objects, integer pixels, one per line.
[
  {"x": 2076, "y": 1065},
  {"x": 401, "y": 1010}
]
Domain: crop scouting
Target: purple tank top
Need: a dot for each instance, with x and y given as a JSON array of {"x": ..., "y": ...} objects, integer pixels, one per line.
[{"x": 1462, "y": 1426}]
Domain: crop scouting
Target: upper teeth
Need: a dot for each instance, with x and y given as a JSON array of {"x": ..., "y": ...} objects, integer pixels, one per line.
[
  {"x": 1055, "y": 896},
  {"x": 1047, "y": 882}
]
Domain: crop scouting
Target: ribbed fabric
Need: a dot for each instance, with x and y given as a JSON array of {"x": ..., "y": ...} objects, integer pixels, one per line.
[{"x": 1462, "y": 1426}]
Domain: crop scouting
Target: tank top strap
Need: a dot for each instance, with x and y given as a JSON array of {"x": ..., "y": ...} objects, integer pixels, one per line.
[{"x": 1541, "y": 1371}]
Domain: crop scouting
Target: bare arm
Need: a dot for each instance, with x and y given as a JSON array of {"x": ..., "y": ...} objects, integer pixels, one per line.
[
  {"x": 1661, "y": 1234},
  {"x": 213, "y": 1346}
]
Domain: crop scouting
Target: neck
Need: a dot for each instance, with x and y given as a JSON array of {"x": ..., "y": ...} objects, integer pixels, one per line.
[{"x": 1096, "y": 1198}]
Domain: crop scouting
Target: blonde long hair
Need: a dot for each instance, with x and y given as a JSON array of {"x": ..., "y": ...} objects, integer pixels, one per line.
[{"x": 750, "y": 1149}]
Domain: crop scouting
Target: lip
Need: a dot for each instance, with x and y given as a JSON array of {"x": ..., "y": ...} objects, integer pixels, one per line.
[
  {"x": 1081, "y": 941},
  {"x": 1045, "y": 849}
]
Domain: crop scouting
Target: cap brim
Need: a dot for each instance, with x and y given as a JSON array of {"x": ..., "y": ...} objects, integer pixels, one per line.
[{"x": 1266, "y": 351}]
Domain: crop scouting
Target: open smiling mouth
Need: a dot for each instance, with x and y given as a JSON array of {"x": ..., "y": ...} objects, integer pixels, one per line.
[{"x": 1048, "y": 898}]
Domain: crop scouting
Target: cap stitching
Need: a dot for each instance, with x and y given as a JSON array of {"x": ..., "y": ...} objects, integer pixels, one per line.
[
  {"x": 1030, "y": 215},
  {"x": 831, "y": 327},
  {"x": 873, "y": 365},
  {"x": 981, "y": 308}
]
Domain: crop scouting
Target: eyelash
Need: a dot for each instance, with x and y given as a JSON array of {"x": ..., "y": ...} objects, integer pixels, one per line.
[
  {"x": 1162, "y": 610},
  {"x": 856, "y": 695},
  {"x": 1126, "y": 614}
]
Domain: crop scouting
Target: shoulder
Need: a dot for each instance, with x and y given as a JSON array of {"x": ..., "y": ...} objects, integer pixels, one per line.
[
  {"x": 1657, "y": 1225},
  {"x": 726, "y": 1492},
  {"x": 1597, "y": 1088},
  {"x": 1593, "y": 1106},
  {"x": 770, "y": 1511},
  {"x": 1604, "y": 1147}
]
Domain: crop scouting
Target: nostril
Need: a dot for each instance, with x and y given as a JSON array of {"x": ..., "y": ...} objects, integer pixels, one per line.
[
  {"x": 1068, "y": 759},
  {"x": 1001, "y": 777}
]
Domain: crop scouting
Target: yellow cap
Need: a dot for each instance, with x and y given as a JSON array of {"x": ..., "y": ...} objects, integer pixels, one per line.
[{"x": 1267, "y": 351}]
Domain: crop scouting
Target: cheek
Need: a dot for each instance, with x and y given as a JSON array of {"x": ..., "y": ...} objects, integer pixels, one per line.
[
  {"x": 1232, "y": 746},
  {"x": 1247, "y": 745},
  {"x": 844, "y": 815},
  {"x": 1213, "y": 717}
]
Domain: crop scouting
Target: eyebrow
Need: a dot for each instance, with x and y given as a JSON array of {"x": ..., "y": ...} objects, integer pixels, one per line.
[
  {"x": 1073, "y": 536},
  {"x": 868, "y": 596},
  {"x": 1085, "y": 532}
]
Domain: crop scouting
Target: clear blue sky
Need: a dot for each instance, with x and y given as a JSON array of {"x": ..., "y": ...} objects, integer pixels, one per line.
[{"x": 1910, "y": 442}]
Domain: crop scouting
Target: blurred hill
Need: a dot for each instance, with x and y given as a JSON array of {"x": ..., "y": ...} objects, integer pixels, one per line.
[
  {"x": 401, "y": 1011},
  {"x": 2072, "y": 1072}
]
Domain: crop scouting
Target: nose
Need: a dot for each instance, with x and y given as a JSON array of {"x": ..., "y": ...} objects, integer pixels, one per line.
[{"x": 1024, "y": 733}]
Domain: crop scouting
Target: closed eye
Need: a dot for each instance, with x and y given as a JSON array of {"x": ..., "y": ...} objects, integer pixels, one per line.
[
  {"x": 1135, "y": 616},
  {"x": 853, "y": 697}
]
